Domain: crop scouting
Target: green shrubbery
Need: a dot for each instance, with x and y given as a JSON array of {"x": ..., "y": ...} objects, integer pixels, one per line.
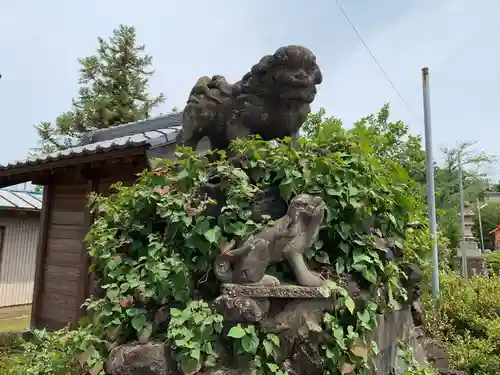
[
  {"x": 493, "y": 263},
  {"x": 468, "y": 323},
  {"x": 154, "y": 246},
  {"x": 68, "y": 352}
]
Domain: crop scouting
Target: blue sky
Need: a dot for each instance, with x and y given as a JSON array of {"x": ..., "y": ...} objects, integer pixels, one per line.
[{"x": 458, "y": 39}]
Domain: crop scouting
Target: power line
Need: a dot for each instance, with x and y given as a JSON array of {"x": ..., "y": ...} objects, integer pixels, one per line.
[{"x": 373, "y": 56}]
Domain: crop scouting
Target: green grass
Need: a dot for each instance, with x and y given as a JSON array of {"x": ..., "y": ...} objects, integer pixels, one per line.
[{"x": 17, "y": 324}]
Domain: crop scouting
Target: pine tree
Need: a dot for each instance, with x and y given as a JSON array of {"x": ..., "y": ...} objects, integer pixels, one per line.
[{"x": 114, "y": 91}]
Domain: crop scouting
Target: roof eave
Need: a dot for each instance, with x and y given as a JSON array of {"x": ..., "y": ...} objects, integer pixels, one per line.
[{"x": 19, "y": 174}]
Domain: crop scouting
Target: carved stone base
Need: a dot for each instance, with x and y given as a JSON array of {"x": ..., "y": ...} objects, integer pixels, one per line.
[
  {"x": 253, "y": 303},
  {"x": 241, "y": 309},
  {"x": 281, "y": 291}
]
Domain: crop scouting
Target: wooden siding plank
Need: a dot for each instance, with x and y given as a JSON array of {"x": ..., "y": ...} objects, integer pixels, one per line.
[
  {"x": 64, "y": 245},
  {"x": 68, "y": 287},
  {"x": 66, "y": 232},
  {"x": 85, "y": 258},
  {"x": 58, "y": 300},
  {"x": 70, "y": 218},
  {"x": 62, "y": 274},
  {"x": 40, "y": 258},
  {"x": 58, "y": 258},
  {"x": 63, "y": 204},
  {"x": 71, "y": 189}
]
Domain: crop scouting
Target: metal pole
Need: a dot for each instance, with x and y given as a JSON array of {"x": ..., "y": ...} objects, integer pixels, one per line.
[
  {"x": 295, "y": 136},
  {"x": 480, "y": 225},
  {"x": 431, "y": 198},
  {"x": 463, "y": 246},
  {"x": 461, "y": 191}
]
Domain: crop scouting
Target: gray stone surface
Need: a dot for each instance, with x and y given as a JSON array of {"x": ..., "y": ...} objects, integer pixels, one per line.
[
  {"x": 271, "y": 100},
  {"x": 225, "y": 371},
  {"x": 393, "y": 327},
  {"x": 153, "y": 358},
  {"x": 241, "y": 309},
  {"x": 281, "y": 291},
  {"x": 286, "y": 239},
  {"x": 299, "y": 327},
  {"x": 476, "y": 265}
]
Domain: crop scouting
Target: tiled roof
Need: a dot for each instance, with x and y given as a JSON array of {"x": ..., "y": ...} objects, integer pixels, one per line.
[
  {"x": 20, "y": 200},
  {"x": 153, "y": 132}
]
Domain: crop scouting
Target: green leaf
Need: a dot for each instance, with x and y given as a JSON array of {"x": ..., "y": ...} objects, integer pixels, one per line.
[
  {"x": 359, "y": 257},
  {"x": 145, "y": 332},
  {"x": 236, "y": 332},
  {"x": 195, "y": 354},
  {"x": 370, "y": 274},
  {"x": 113, "y": 293},
  {"x": 274, "y": 338},
  {"x": 250, "y": 343},
  {"x": 239, "y": 173},
  {"x": 124, "y": 287},
  {"x": 268, "y": 347},
  {"x": 364, "y": 316},
  {"x": 339, "y": 266},
  {"x": 322, "y": 257},
  {"x": 333, "y": 192},
  {"x": 238, "y": 228},
  {"x": 347, "y": 368},
  {"x": 175, "y": 312},
  {"x": 132, "y": 311},
  {"x": 349, "y": 303},
  {"x": 138, "y": 322},
  {"x": 338, "y": 333},
  {"x": 344, "y": 247},
  {"x": 286, "y": 189},
  {"x": 213, "y": 235},
  {"x": 273, "y": 367},
  {"x": 181, "y": 175},
  {"x": 392, "y": 219},
  {"x": 190, "y": 366},
  {"x": 360, "y": 351}
]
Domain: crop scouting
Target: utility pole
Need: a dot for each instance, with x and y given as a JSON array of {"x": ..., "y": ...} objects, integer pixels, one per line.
[
  {"x": 479, "y": 208},
  {"x": 463, "y": 246},
  {"x": 431, "y": 198},
  {"x": 461, "y": 191}
]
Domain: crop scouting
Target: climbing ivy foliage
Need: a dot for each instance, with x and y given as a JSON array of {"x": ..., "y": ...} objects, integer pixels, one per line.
[{"x": 153, "y": 246}]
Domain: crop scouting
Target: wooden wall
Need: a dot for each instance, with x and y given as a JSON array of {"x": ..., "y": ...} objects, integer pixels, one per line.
[
  {"x": 59, "y": 284},
  {"x": 62, "y": 281}
]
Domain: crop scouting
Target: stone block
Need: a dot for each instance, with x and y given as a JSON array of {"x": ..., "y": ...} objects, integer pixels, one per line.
[
  {"x": 476, "y": 265},
  {"x": 280, "y": 291},
  {"x": 241, "y": 309},
  {"x": 152, "y": 358},
  {"x": 392, "y": 327}
]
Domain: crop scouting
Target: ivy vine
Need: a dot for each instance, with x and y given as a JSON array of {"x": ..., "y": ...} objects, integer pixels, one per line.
[{"x": 153, "y": 245}]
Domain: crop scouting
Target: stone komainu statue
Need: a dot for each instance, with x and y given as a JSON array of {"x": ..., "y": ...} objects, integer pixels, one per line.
[
  {"x": 286, "y": 240},
  {"x": 272, "y": 100}
]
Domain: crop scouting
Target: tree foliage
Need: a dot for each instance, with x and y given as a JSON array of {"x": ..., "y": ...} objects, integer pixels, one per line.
[
  {"x": 475, "y": 183},
  {"x": 113, "y": 90},
  {"x": 490, "y": 219},
  {"x": 387, "y": 140}
]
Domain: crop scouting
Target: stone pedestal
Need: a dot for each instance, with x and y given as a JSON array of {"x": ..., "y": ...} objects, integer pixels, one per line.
[
  {"x": 476, "y": 265},
  {"x": 295, "y": 314},
  {"x": 252, "y": 303},
  {"x": 470, "y": 247}
]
